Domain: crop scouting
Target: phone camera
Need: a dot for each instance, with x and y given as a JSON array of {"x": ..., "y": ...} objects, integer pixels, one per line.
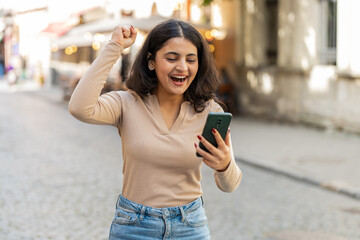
[{"x": 218, "y": 123}]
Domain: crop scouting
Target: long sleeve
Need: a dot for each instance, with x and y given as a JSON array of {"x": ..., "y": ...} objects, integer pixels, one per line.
[
  {"x": 230, "y": 179},
  {"x": 86, "y": 104}
]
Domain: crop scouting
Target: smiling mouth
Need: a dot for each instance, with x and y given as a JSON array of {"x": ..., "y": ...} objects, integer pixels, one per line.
[{"x": 179, "y": 79}]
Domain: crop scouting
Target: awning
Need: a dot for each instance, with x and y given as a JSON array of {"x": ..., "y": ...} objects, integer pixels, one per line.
[
  {"x": 58, "y": 28},
  {"x": 78, "y": 35}
]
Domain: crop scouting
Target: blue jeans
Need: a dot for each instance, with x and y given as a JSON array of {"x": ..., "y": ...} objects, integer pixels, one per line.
[{"x": 136, "y": 221}]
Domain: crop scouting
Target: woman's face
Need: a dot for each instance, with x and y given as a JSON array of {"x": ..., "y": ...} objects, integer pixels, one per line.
[{"x": 176, "y": 65}]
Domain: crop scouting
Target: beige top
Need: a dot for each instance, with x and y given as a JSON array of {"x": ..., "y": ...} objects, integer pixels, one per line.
[{"x": 160, "y": 165}]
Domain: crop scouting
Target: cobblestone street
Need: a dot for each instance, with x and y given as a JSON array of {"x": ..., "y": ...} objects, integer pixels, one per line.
[{"x": 60, "y": 178}]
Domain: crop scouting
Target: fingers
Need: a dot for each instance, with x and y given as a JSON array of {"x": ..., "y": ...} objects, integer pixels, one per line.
[
  {"x": 227, "y": 138},
  {"x": 129, "y": 32},
  {"x": 222, "y": 145},
  {"x": 219, "y": 157},
  {"x": 212, "y": 149},
  {"x": 220, "y": 142},
  {"x": 133, "y": 33},
  {"x": 219, "y": 163},
  {"x": 125, "y": 36},
  {"x": 202, "y": 152},
  {"x": 126, "y": 32},
  {"x": 118, "y": 33}
]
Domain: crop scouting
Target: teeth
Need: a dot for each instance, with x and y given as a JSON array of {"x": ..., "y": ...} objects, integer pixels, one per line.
[{"x": 181, "y": 78}]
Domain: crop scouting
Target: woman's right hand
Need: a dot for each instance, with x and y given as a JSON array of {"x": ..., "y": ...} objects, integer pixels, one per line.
[{"x": 124, "y": 36}]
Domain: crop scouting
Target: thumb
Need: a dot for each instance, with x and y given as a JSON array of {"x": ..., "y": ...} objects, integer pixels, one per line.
[
  {"x": 133, "y": 33},
  {"x": 227, "y": 138}
]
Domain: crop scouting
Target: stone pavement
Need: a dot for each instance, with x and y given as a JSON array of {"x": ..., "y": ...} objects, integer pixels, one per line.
[
  {"x": 328, "y": 159},
  {"x": 325, "y": 158},
  {"x": 58, "y": 181}
]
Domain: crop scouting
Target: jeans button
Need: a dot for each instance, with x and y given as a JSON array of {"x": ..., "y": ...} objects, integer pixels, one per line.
[{"x": 166, "y": 213}]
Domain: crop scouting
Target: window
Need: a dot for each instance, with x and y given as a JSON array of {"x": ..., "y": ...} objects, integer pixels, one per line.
[
  {"x": 272, "y": 26},
  {"x": 327, "y": 32}
]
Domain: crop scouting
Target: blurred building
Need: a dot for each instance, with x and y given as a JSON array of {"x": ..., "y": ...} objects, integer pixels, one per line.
[
  {"x": 25, "y": 52},
  {"x": 74, "y": 51},
  {"x": 286, "y": 59},
  {"x": 298, "y": 60}
]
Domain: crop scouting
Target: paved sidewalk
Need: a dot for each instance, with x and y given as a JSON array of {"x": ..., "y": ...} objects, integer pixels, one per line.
[
  {"x": 328, "y": 159},
  {"x": 324, "y": 158}
]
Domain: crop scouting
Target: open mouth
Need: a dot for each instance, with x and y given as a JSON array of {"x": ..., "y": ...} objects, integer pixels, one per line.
[{"x": 178, "y": 79}]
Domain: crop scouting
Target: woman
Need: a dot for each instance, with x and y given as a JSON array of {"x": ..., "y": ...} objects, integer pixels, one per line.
[{"x": 160, "y": 119}]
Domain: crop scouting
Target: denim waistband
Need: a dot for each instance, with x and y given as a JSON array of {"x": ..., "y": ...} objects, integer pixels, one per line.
[{"x": 159, "y": 212}]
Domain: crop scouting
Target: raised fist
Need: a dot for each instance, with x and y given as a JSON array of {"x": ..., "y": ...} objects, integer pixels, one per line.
[{"x": 125, "y": 36}]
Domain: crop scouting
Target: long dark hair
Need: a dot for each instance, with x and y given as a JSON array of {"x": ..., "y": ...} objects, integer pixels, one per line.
[{"x": 143, "y": 81}]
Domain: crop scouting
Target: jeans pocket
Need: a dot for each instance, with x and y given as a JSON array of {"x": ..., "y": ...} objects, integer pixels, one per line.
[
  {"x": 196, "y": 218},
  {"x": 125, "y": 216}
]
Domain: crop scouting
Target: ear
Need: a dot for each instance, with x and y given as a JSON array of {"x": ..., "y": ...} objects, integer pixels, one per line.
[{"x": 151, "y": 65}]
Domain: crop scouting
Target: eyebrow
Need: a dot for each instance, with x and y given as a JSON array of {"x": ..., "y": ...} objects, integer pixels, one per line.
[{"x": 177, "y": 54}]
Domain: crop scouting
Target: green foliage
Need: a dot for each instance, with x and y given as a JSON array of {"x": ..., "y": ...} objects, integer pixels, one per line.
[{"x": 206, "y": 2}]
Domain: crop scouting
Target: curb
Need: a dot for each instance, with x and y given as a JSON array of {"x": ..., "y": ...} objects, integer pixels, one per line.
[{"x": 295, "y": 176}]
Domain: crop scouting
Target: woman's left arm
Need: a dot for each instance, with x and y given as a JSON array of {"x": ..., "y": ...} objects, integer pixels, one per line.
[{"x": 227, "y": 173}]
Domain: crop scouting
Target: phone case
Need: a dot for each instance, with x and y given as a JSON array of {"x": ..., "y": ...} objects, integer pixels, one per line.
[{"x": 219, "y": 121}]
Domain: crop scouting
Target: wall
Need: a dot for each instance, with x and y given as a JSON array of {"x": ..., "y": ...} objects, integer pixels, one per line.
[
  {"x": 297, "y": 88},
  {"x": 328, "y": 101},
  {"x": 297, "y": 34}
]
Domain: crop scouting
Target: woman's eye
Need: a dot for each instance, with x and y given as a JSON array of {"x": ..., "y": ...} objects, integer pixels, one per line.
[
  {"x": 191, "y": 60},
  {"x": 171, "y": 59}
]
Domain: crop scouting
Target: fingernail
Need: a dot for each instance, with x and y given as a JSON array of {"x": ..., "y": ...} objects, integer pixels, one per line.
[
  {"x": 132, "y": 27},
  {"x": 195, "y": 145},
  {"x": 228, "y": 130},
  {"x": 213, "y": 130},
  {"x": 199, "y": 137}
]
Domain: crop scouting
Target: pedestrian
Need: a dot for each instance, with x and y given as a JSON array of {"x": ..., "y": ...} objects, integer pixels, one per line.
[{"x": 171, "y": 90}]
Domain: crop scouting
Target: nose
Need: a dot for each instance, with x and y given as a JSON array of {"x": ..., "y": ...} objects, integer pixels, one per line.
[{"x": 181, "y": 66}]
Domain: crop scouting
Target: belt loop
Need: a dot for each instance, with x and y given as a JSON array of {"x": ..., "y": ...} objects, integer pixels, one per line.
[
  {"x": 202, "y": 200},
  {"x": 142, "y": 213},
  {"x": 117, "y": 202},
  {"x": 182, "y": 214}
]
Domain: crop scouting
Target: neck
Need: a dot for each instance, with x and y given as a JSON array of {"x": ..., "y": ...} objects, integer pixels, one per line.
[{"x": 169, "y": 100}]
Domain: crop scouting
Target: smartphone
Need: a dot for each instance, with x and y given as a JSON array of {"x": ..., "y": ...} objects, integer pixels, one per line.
[{"x": 219, "y": 121}]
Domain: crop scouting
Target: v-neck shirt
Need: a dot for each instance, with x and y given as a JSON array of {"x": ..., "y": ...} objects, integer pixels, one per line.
[
  {"x": 154, "y": 104},
  {"x": 160, "y": 166}
]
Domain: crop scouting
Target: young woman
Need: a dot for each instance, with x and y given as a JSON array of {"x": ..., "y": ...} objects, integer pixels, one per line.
[{"x": 160, "y": 118}]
